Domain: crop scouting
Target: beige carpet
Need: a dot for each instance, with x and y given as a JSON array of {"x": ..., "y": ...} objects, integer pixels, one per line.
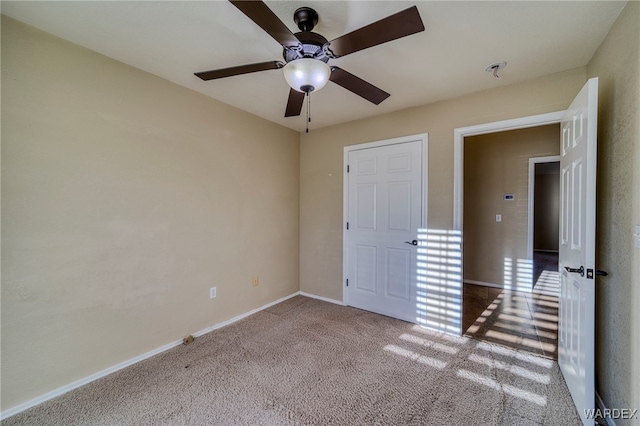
[{"x": 310, "y": 362}]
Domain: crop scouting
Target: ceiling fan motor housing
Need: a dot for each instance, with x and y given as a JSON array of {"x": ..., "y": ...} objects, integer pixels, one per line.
[
  {"x": 311, "y": 44},
  {"x": 312, "y": 47}
]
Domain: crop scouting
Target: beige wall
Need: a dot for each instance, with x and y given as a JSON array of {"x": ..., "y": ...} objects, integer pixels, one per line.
[
  {"x": 494, "y": 165},
  {"x": 124, "y": 198},
  {"x": 617, "y": 64},
  {"x": 546, "y": 211},
  {"x": 321, "y": 153}
]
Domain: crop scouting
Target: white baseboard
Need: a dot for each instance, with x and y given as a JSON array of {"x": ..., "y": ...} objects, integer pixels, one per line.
[
  {"x": 494, "y": 285},
  {"x": 74, "y": 385},
  {"x": 78, "y": 383},
  {"x": 325, "y": 299},
  {"x": 242, "y": 316}
]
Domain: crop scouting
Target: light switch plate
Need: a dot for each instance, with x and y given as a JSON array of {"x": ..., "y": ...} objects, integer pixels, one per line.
[
  {"x": 637, "y": 236},
  {"x": 498, "y": 218}
]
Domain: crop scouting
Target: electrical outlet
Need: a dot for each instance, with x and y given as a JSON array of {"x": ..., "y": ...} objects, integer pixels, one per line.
[
  {"x": 498, "y": 218},
  {"x": 212, "y": 293},
  {"x": 637, "y": 236},
  {"x": 255, "y": 281}
]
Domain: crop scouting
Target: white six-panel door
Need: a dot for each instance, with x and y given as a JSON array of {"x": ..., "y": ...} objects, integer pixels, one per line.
[
  {"x": 385, "y": 210},
  {"x": 577, "y": 247}
]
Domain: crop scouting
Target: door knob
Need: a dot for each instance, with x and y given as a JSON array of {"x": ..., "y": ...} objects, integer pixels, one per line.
[
  {"x": 579, "y": 270},
  {"x": 413, "y": 243}
]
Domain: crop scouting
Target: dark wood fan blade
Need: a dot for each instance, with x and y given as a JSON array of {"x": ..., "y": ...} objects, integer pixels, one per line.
[
  {"x": 358, "y": 85},
  {"x": 264, "y": 17},
  {"x": 390, "y": 28},
  {"x": 242, "y": 69},
  {"x": 294, "y": 104}
]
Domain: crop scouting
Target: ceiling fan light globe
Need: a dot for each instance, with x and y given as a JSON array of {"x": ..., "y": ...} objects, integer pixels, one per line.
[{"x": 304, "y": 72}]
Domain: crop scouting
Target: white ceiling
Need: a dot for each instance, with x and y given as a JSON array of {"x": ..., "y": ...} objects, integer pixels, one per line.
[{"x": 174, "y": 39}]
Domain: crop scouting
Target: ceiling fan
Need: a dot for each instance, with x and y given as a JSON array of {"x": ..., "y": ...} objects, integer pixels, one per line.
[{"x": 306, "y": 53}]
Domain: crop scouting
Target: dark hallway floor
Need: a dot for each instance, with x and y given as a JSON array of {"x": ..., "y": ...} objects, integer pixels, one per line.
[{"x": 526, "y": 321}]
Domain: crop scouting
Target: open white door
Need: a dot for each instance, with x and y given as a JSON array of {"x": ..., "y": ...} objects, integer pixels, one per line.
[{"x": 577, "y": 247}]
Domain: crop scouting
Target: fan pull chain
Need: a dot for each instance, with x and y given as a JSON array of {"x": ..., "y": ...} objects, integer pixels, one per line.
[{"x": 308, "y": 110}]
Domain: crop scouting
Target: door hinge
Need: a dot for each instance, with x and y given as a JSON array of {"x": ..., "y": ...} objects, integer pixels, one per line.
[
  {"x": 347, "y": 225},
  {"x": 347, "y": 282},
  {"x": 347, "y": 168}
]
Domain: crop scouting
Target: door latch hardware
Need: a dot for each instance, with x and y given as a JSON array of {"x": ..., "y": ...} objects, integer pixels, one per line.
[
  {"x": 413, "y": 243},
  {"x": 598, "y": 273},
  {"x": 579, "y": 270}
]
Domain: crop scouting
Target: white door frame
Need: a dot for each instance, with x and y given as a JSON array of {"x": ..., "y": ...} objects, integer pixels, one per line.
[
  {"x": 424, "y": 139},
  {"x": 532, "y": 178},
  {"x": 458, "y": 161},
  {"x": 481, "y": 129}
]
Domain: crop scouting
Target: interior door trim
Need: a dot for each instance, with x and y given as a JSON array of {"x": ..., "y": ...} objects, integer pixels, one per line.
[
  {"x": 458, "y": 162},
  {"x": 531, "y": 199},
  {"x": 481, "y": 129}
]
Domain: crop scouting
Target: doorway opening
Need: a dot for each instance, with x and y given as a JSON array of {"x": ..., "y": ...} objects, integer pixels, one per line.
[
  {"x": 509, "y": 287},
  {"x": 576, "y": 327},
  {"x": 544, "y": 223}
]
